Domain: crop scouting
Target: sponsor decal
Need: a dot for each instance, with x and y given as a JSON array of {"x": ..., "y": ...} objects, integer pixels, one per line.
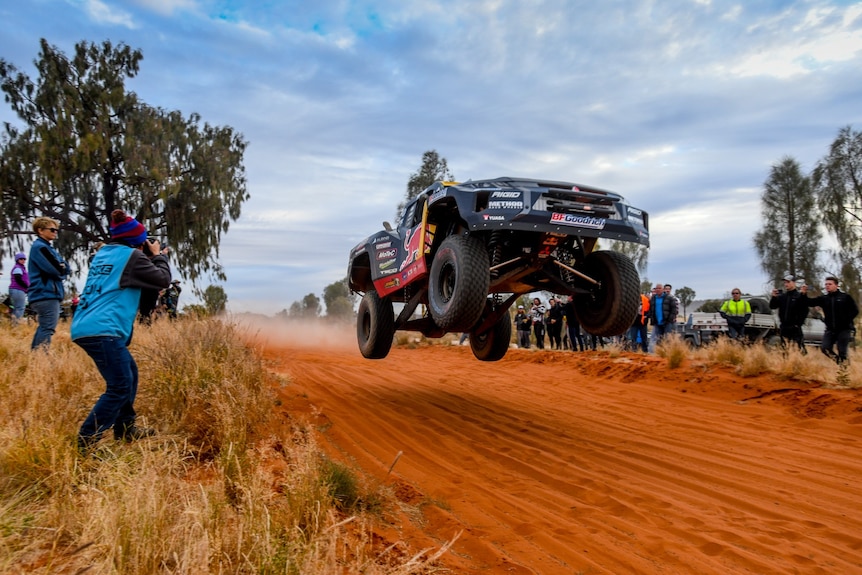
[
  {"x": 493, "y": 218},
  {"x": 636, "y": 220},
  {"x": 505, "y": 205},
  {"x": 394, "y": 282},
  {"x": 634, "y": 212},
  {"x": 385, "y": 254},
  {"x": 437, "y": 195},
  {"x": 507, "y": 195},
  {"x": 579, "y": 221},
  {"x": 383, "y": 245},
  {"x": 387, "y": 264},
  {"x": 380, "y": 239}
]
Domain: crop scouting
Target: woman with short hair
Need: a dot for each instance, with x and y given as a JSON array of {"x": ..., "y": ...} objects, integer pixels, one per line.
[{"x": 47, "y": 269}]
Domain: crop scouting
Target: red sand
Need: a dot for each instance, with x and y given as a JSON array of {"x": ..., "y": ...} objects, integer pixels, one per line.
[{"x": 555, "y": 462}]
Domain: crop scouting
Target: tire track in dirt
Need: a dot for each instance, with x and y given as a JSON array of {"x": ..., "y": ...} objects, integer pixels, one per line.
[{"x": 566, "y": 463}]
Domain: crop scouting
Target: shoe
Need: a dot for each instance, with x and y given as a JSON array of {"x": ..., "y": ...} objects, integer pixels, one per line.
[{"x": 130, "y": 433}]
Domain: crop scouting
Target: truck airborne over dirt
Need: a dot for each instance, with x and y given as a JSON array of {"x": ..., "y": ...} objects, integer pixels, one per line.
[{"x": 466, "y": 251}]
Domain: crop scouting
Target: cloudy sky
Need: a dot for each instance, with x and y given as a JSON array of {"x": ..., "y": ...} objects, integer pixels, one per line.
[{"x": 682, "y": 106}]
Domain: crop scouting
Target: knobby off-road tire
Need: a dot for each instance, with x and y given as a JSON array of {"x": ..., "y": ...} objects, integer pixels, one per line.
[
  {"x": 375, "y": 326},
  {"x": 609, "y": 310},
  {"x": 494, "y": 343},
  {"x": 458, "y": 283}
]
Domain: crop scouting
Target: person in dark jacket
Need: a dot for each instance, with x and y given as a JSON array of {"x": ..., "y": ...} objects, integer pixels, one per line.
[
  {"x": 105, "y": 319},
  {"x": 523, "y": 323},
  {"x": 791, "y": 316},
  {"x": 573, "y": 325},
  {"x": 47, "y": 269},
  {"x": 839, "y": 311},
  {"x": 555, "y": 323},
  {"x": 18, "y": 287}
]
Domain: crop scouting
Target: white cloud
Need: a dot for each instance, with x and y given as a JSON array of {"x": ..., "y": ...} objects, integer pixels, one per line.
[
  {"x": 166, "y": 7},
  {"x": 104, "y": 14}
]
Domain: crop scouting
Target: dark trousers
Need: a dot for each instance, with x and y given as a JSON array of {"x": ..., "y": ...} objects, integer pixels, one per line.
[
  {"x": 115, "y": 407},
  {"x": 792, "y": 334},
  {"x": 524, "y": 338},
  {"x": 839, "y": 339},
  {"x": 539, "y": 332},
  {"x": 575, "y": 337},
  {"x": 555, "y": 330},
  {"x": 735, "y": 328}
]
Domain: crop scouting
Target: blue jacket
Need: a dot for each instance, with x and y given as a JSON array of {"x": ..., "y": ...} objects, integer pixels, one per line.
[
  {"x": 109, "y": 302},
  {"x": 47, "y": 268}
]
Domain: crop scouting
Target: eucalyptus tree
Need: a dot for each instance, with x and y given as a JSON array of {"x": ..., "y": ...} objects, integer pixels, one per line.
[
  {"x": 87, "y": 145},
  {"x": 434, "y": 168},
  {"x": 837, "y": 181},
  {"x": 789, "y": 239}
]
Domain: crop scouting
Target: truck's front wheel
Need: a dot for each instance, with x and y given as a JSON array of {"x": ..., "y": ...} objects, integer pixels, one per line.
[
  {"x": 375, "y": 326},
  {"x": 610, "y": 308},
  {"x": 458, "y": 283}
]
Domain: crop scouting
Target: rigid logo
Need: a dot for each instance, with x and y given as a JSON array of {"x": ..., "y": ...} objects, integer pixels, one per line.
[{"x": 508, "y": 195}]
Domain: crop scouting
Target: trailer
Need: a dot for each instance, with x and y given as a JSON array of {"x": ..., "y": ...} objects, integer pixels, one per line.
[{"x": 704, "y": 327}]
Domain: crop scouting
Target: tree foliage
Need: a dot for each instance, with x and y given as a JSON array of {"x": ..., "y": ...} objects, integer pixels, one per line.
[
  {"x": 685, "y": 295},
  {"x": 308, "y": 308},
  {"x": 214, "y": 299},
  {"x": 837, "y": 181},
  {"x": 433, "y": 169},
  {"x": 790, "y": 237},
  {"x": 88, "y": 146},
  {"x": 338, "y": 300},
  {"x": 638, "y": 253}
]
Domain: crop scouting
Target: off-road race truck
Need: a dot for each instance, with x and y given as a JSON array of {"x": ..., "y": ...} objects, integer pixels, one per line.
[{"x": 466, "y": 251}]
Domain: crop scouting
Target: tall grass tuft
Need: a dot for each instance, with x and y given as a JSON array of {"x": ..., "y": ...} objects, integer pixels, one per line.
[
  {"x": 674, "y": 350},
  {"x": 216, "y": 491}
]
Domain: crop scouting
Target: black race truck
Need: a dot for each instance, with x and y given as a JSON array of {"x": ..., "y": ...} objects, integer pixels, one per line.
[{"x": 463, "y": 253}]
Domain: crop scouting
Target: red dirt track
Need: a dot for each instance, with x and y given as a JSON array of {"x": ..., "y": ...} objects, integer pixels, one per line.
[{"x": 556, "y": 462}]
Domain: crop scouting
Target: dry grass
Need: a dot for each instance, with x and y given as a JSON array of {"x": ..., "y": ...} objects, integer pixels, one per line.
[
  {"x": 208, "y": 494},
  {"x": 674, "y": 349},
  {"x": 790, "y": 364}
]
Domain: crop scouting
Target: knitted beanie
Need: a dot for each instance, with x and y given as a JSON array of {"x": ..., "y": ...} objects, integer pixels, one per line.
[{"x": 127, "y": 229}]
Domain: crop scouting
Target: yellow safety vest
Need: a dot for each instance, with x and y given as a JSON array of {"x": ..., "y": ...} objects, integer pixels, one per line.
[{"x": 738, "y": 308}]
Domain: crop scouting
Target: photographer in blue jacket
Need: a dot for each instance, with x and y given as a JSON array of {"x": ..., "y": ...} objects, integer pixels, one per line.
[{"x": 103, "y": 324}]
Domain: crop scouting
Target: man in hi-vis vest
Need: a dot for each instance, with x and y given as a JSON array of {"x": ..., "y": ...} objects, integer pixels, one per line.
[{"x": 737, "y": 312}]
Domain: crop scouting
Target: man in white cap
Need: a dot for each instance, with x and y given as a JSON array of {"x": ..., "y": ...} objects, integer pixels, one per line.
[
  {"x": 523, "y": 323},
  {"x": 791, "y": 316}
]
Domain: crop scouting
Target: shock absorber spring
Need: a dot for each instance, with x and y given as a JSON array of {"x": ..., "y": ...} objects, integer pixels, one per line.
[{"x": 495, "y": 251}]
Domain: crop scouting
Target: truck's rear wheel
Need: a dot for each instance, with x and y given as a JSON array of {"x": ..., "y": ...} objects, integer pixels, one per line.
[
  {"x": 458, "y": 283},
  {"x": 375, "y": 326},
  {"x": 493, "y": 344},
  {"x": 610, "y": 309}
]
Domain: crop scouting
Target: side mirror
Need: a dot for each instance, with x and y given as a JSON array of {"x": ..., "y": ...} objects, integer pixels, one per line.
[{"x": 387, "y": 226}]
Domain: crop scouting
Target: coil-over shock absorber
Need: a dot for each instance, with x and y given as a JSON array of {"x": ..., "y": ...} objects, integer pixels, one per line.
[{"x": 495, "y": 252}]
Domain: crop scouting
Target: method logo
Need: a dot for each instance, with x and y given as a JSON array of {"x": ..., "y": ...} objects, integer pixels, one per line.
[{"x": 579, "y": 221}]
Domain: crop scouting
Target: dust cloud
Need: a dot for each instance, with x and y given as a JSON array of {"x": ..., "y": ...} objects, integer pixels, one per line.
[{"x": 313, "y": 334}]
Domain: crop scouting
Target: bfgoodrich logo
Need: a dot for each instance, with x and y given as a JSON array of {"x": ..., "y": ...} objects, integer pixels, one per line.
[{"x": 580, "y": 221}]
